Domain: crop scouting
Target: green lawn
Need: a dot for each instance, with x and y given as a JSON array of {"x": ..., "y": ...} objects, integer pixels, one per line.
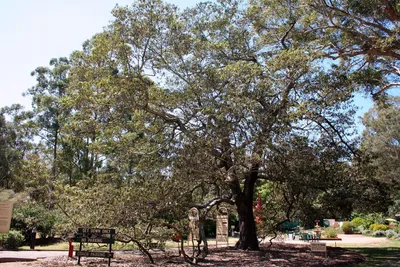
[{"x": 386, "y": 254}]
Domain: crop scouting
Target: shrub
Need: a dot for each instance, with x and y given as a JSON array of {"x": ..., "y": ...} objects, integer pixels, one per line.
[
  {"x": 347, "y": 227},
  {"x": 32, "y": 215},
  {"x": 366, "y": 232},
  {"x": 378, "y": 227},
  {"x": 13, "y": 240},
  {"x": 379, "y": 233},
  {"x": 331, "y": 233},
  {"x": 357, "y": 222},
  {"x": 390, "y": 233}
]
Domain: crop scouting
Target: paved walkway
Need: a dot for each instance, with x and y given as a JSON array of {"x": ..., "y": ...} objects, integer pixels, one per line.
[{"x": 29, "y": 255}]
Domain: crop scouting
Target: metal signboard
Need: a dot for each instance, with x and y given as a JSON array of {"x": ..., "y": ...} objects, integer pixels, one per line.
[
  {"x": 97, "y": 254},
  {"x": 95, "y": 235}
]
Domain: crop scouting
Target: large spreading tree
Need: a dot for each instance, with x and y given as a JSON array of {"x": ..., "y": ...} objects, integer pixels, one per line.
[
  {"x": 221, "y": 93},
  {"x": 208, "y": 104}
]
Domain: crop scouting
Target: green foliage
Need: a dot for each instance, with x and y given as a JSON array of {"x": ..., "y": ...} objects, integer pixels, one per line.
[
  {"x": 358, "y": 222},
  {"x": 13, "y": 240},
  {"x": 330, "y": 233},
  {"x": 390, "y": 233},
  {"x": 27, "y": 216},
  {"x": 165, "y": 110},
  {"x": 379, "y": 233},
  {"x": 366, "y": 220},
  {"x": 378, "y": 227},
  {"x": 347, "y": 227}
]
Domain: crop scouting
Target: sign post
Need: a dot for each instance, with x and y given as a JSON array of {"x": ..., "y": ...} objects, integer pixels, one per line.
[
  {"x": 95, "y": 235},
  {"x": 319, "y": 247},
  {"x": 5, "y": 216},
  {"x": 222, "y": 226}
]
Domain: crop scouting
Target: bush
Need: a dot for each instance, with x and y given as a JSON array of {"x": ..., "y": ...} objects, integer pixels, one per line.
[
  {"x": 31, "y": 216},
  {"x": 379, "y": 233},
  {"x": 378, "y": 227},
  {"x": 331, "y": 233},
  {"x": 390, "y": 233},
  {"x": 13, "y": 240},
  {"x": 366, "y": 232},
  {"x": 357, "y": 222},
  {"x": 347, "y": 227}
]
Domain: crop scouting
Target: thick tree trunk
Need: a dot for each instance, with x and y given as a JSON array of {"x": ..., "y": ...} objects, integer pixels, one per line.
[
  {"x": 248, "y": 233},
  {"x": 244, "y": 203}
]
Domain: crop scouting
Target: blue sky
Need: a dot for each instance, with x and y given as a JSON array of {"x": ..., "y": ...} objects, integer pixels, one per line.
[{"x": 34, "y": 31}]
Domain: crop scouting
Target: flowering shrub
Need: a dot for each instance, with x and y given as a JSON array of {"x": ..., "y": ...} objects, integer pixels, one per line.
[{"x": 376, "y": 227}]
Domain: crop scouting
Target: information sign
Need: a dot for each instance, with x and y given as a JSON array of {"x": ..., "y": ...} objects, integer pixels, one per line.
[
  {"x": 222, "y": 226},
  {"x": 98, "y": 254},
  {"x": 95, "y": 235},
  {"x": 318, "y": 247},
  {"x": 5, "y": 216}
]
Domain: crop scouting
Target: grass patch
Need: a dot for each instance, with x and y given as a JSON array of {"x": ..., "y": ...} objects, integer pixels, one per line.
[
  {"x": 378, "y": 254},
  {"x": 388, "y": 256}
]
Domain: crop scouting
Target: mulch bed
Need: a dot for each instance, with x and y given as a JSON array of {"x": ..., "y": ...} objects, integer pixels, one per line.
[{"x": 276, "y": 255}]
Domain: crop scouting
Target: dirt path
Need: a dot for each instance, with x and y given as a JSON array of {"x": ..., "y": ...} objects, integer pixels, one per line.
[{"x": 293, "y": 253}]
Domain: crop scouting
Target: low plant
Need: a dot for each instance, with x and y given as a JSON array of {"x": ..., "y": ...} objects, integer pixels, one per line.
[
  {"x": 379, "y": 233},
  {"x": 29, "y": 216},
  {"x": 390, "y": 233},
  {"x": 357, "y": 222},
  {"x": 378, "y": 227},
  {"x": 347, "y": 227},
  {"x": 13, "y": 240},
  {"x": 366, "y": 232},
  {"x": 331, "y": 233}
]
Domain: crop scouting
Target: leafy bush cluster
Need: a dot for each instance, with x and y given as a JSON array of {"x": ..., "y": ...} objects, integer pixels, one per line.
[
  {"x": 378, "y": 227},
  {"x": 347, "y": 227},
  {"x": 27, "y": 217},
  {"x": 358, "y": 222},
  {"x": 13, "y": 240},
  {"x": 390, "y": 233},
  {"x": 366, "y": 232},
  {"x": 331, "y": 233},
  {"x": 379, "y": 233}
]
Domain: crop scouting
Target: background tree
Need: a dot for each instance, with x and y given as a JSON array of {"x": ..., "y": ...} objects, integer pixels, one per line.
[
  {"x": 46, "y": 102},
  {"x": 15, "y": 143},
  {"x": 380, "y": 147}
]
